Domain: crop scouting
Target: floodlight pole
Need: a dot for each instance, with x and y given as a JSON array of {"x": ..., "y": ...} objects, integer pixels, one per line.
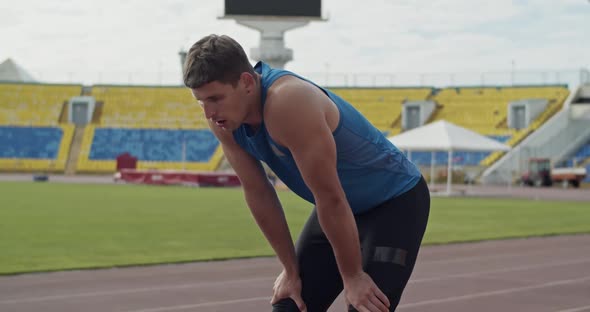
[{"x": 182, "y": 55}]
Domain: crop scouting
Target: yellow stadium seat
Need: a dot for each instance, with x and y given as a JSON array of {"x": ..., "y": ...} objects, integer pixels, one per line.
[
  {"x": 381, "y": 106},
  {"x": 485, "y": 109},
  {"x": 149, "y": 107},
  {"x": 34, "y": 104}
]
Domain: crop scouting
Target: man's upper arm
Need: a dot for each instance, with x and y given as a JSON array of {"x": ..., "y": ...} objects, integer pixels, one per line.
[{"x": 298, "y": 121}]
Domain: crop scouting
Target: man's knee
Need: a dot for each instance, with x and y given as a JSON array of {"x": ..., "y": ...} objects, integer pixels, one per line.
[{"x": 285, "y": 305}]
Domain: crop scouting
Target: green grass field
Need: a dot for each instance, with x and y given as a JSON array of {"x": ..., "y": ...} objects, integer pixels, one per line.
[{"x": 52, "y": 226}]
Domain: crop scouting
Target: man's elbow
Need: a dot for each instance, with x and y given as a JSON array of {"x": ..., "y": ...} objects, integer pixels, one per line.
[
  {"x": 257, "y": 188},
  {"x": 331, "y": 203}
]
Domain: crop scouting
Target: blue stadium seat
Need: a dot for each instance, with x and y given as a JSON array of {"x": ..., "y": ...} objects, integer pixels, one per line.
[
  {"x": 30, "y": 142},
  {"x": 153, "y": 144},
  {"x": 579, "y": 156},
  {"x": 461, "y": 158},
  {"x": 565, "y": 163},
  {"x": 583, "y": 152},
  {"x": 500, "y": 138}
]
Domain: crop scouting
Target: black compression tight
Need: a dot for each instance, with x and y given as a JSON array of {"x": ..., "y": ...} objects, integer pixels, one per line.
[{"x": 390, "y": 237}]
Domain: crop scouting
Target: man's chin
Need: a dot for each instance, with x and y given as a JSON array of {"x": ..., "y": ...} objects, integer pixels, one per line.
[{"x": 228, "y": 127}]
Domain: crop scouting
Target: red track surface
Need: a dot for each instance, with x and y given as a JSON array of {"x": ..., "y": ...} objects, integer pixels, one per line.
[{"x": 538, "y": 274}]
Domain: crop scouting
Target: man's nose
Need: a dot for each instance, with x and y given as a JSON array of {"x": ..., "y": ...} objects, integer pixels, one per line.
[{"x": 209, "y": 112}]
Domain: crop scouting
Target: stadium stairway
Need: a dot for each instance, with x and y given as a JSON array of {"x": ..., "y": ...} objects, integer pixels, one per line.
[
  {"x": 554, "y": 107},
  {"x": 74, "y": 152},
  {"x": 434, "y": 114},
  {"x": 556, "y": 135}
]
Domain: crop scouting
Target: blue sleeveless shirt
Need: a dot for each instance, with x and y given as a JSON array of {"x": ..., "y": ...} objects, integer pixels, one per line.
[{"x": 371, "y": 169}]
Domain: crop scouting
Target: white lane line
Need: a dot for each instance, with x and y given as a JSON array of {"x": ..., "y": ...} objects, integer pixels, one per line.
[
  {"x": 495, "y": 292},
  {"x": 513, "y": 269},
  {"x": 133, "y": 290},
  {"x": 210, "y": 284},
  {"x": 200, "y": 305},
  {"x": 408, "y": 305},
  {"x": 508, "y": 245},
  {"x": 155, "y": 270},
  {"x": 490, "y": 257},
  {"x": 24, "y": 280},
  {"x": 578, "y": 309}
]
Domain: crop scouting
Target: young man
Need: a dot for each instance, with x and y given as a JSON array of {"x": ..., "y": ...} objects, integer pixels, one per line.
[{"x": 371, "y": 203}]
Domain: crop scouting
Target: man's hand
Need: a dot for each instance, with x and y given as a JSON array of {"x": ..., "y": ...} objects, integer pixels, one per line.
[
  {"x": 364, "y": 295},
  {"x": 288, "y": 286}
]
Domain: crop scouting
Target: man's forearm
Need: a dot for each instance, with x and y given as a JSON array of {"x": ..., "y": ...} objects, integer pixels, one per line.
[
  {"x": 340, "y": 229},
  {"x": 268, "y": 213}
]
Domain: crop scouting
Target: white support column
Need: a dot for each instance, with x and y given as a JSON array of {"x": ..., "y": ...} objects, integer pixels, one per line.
[
  {"x": 450, "y": 172},
  {"x": 432, "y": 158},
  {"x": 272, "y": 48}
]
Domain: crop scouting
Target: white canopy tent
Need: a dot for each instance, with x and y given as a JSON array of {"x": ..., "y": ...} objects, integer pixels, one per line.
[{"x": 445, "y": 136}]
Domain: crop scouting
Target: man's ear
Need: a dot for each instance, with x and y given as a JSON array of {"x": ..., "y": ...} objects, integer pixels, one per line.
[{"x": 248, "y": 81}]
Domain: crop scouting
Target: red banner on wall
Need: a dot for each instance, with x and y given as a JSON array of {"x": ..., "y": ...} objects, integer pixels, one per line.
[{"x": 170, "y": 177}]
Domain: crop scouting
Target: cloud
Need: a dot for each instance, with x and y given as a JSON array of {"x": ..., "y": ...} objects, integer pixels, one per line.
[{"x": 104, "y": 41}]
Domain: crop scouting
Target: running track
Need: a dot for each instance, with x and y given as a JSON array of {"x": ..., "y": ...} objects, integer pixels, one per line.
[{"x": 538, "y": 274}]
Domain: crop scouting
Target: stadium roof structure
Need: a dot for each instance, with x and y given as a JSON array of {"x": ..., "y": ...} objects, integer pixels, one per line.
[
  {"x": 12, "y": 72},
  {"x": 445, "y": 136}
]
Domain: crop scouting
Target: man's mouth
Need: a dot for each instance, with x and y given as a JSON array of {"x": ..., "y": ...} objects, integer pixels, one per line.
[{"x": 220, "y": 123}]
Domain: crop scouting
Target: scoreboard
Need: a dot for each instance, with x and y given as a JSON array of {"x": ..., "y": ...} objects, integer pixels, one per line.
[{"x": 281, "y": 8}]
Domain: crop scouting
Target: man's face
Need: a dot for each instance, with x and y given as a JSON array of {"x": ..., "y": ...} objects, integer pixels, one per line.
[{"x": 222, "y": 103}]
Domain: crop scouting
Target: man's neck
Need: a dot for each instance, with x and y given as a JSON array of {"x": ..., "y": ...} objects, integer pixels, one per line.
[{"x": 255, "y": 115}]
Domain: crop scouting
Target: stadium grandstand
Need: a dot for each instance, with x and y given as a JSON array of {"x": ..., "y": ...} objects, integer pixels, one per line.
[
  {"x": 75, "y": 129},
  {"x": 31, "y": 136},
  {"x": 162, "y": 126},
  {"x": 382, "y": 106}
]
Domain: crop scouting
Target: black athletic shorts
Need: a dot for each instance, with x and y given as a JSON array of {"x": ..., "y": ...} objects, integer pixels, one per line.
[{"x": 390, "y": 236}]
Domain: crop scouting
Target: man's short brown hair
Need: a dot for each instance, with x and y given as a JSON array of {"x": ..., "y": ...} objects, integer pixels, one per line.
[{"x": 215, "y": 58}]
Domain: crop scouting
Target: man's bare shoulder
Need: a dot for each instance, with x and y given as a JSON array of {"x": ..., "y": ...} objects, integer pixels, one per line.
[
  {"x": 289, "y": 95},
  {"x": 295, "y": 104}
]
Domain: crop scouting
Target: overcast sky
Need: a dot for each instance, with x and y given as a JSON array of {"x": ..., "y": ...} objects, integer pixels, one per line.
[{"x": 138, "y": 41}]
